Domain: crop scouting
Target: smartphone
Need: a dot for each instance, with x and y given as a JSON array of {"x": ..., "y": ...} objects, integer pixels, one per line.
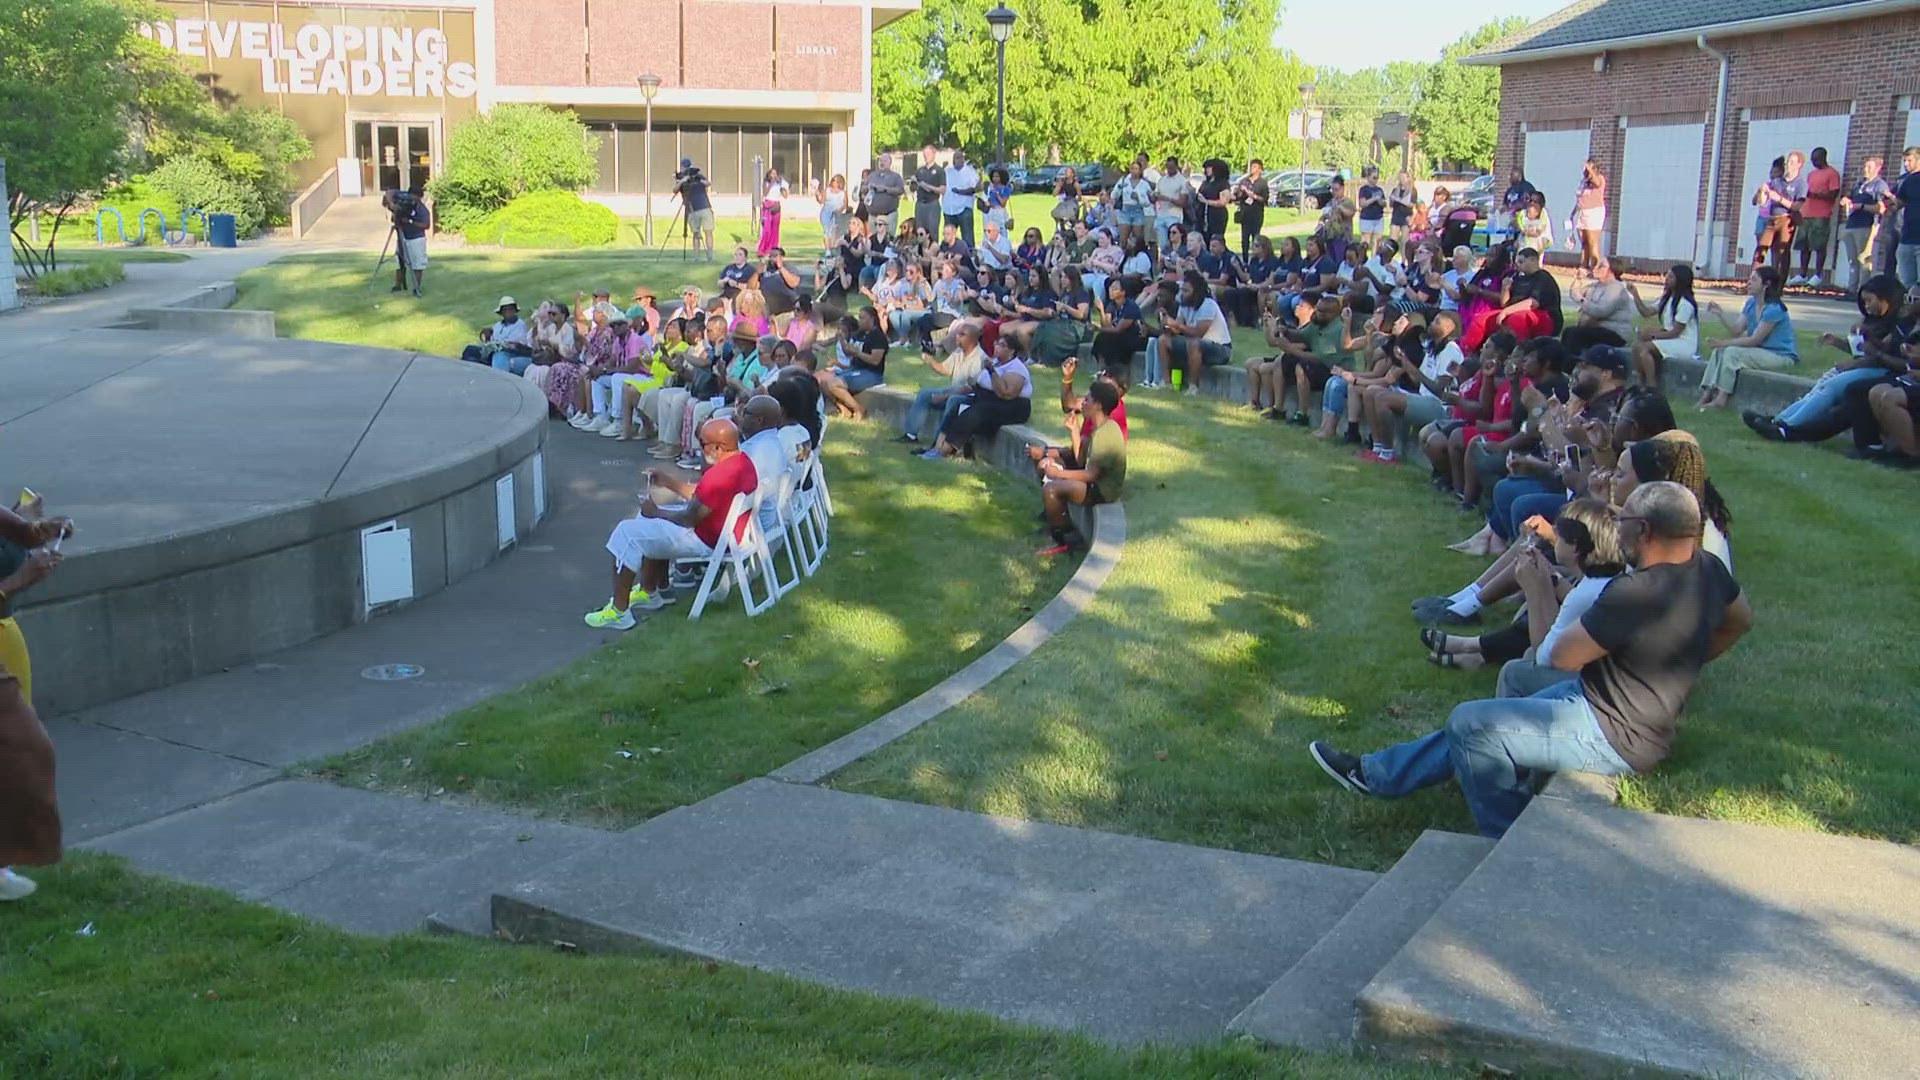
[{"x": 1573, "y": 457}]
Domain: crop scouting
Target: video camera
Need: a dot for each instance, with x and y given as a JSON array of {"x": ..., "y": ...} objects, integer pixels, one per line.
[{"x": 401, "y": 205}]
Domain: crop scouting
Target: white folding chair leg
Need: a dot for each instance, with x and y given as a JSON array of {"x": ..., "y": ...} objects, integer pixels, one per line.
[
  {"x": 823, "y": 502},
  {"x": 783, "y": 540}
]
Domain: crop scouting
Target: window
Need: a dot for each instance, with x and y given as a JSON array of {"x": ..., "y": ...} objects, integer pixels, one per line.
[
  {"x": 726, "y": 152},
  {"x": 723, "y": 168},
  {"x": 602, "y": 135},
  {"x": 817, "y": 166},
  {"x": 786, "y": 155}
]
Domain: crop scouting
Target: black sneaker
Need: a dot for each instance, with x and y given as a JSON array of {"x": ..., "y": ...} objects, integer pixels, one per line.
[
  {"x": 1343, "y": 767},
  {"x": 1299, "y": 419},
  {"x": 1764, "y": 426},
  {"x": 1273, "y": 414},
  {"x": 1352, "y": 436},
  {"x": 907, "y": 438},
  {"x": 1865, "y": 453}
]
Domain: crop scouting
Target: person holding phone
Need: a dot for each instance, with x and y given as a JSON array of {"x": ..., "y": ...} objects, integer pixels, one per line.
[{"x": 30, "y": 832}]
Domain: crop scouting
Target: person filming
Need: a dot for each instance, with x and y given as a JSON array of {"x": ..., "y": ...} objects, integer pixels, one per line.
[
  {"x": 691, "y": 185},
  {"x": 410, "y": 219}
]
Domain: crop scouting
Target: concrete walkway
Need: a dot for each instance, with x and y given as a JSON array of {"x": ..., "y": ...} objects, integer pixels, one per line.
[{"x": 148, "y": 284}]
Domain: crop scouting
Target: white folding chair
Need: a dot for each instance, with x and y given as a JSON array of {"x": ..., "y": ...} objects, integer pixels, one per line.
[
  {"x": 736, "y": 562},
  {"x": 782, "y": 540},
  {"x": 806, "y": 532},
  {"x": 823, "y": 502}
]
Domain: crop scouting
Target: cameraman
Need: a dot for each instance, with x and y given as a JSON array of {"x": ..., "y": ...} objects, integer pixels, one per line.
[
  {"x": 411, "y": 220},
  {"x": 691, "y": 186}
]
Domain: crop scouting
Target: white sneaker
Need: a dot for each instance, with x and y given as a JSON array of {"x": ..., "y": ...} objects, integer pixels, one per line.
[
  {"x": 580, "y": 420},
  {"x": 612, "y": 429},
  {"x": 13, "y": 886},
  {"x": 1816, "y": 282},
  {"x": 1796, "y": 280},
  {"x": 1193, "y": 391}
]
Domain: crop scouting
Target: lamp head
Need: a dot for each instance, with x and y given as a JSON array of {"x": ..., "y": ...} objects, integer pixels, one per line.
[
  {"x": 649, "y": 85},
  {"x": 1000, "y": 20}
]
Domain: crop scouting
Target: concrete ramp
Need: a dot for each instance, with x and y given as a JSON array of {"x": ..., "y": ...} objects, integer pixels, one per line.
[{"x": 1125, "y": 939}]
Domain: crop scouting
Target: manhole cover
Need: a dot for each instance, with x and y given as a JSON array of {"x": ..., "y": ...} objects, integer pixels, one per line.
[{"x": 393, "y": 672}]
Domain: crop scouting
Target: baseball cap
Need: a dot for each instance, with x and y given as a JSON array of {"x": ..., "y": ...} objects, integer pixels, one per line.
[
  {"x": 1607, "y": 358},
  {"x": 686, "y": 163},
  {"x": 505, "y": 301}
]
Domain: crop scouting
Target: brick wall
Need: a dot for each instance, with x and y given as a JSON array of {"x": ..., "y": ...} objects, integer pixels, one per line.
[
  {"x": 1869, "y": 63},
  {"x": 539, "y": 43},
  {"x": 627, "y": 37}
]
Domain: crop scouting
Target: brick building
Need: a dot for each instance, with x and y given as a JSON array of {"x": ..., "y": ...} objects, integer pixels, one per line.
[
  {"x": 1683, "y": 103},
  {"x": 377, "y": 84}
]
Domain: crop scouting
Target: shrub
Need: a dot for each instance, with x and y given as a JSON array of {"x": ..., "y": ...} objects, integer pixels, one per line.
[
  {"x": 513, "y": 150},
  {"x": 194, "y": 181},
  {"x": 546, "y": 219},
  {"x": 82, "y": 278}
]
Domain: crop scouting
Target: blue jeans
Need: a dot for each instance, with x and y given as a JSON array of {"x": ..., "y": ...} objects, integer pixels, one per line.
[
  {"x": 1334, "y": 398},
  {"x": 1906, "y": 258},
  {"x": 1826, "y": 405},
  {"x": 1505, "y": 492},
  {"x": 1547, "y": 504},
  {"x": 923, "y": 403},
  {"x": 1494, "y": 747},
  {"x": 510, "y": 362}
]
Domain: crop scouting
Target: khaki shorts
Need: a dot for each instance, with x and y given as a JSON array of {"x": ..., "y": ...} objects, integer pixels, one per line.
[
  {"x": 1815, "y": 232},
  {"x": 700, "y": 221}
]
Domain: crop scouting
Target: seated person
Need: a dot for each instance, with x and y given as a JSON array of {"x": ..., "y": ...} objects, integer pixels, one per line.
[
  {"x": 1894, "y": 404},
  {"x": 1117, "y": 324},
  {"x": 1226, "y": 278},
  {"x": 736, "y": 275},
  {"x": 1876, "y": 353},
  {"x": 612, "y": 351},
  {"x": 1035, "y": 304},
  {"x": 1532, "y": 307},
  {"x": 1675, "y": 332},
  {"x": 1196, "y": 337},
  {"x": 646, "y": 545},
  {"x": 1415, "y": 394},
  {"x": 994, "y": 252},
  {"x": 779, "y": 284},
  {"x": 1607, "y": 308},
  {"x": 644, "y": 311},
  {"x": 1320, "y": 275},
  {"x": 1093, "y": 470},
  {"x": 1158, "y": 306},
  {"x": 1490, "y": 418},
  {"x": 1630, "y": 663},
  {"x": 1764, "y": 339},
  {"x": 860, "y": 363},
  {"x": 951, "y": 295},
  {"x": 952, "y": 248},
  {"x": 961, "y": 367},
  {"x": 1002, "y": 394},
  {"x": 1345, "y": 390},
  {"x": 507, "y": 345},
  {"x": 760, "y": 420},
  {"x": 1101, "y": 264},
  {"x": 753, "y": 358},
  {"x": 660, "y": 366},
  {"x": 1314, "y": 349}
]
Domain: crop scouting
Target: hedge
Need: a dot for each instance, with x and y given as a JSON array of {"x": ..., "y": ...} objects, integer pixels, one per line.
[{"x": 546, "y": 219}]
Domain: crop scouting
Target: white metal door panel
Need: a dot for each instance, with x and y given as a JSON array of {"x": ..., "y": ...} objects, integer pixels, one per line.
[
  {"x": 1660, "y": 192},
  {"x": 1553, "y": 163},
  {"x": 1769, "y": 139}
]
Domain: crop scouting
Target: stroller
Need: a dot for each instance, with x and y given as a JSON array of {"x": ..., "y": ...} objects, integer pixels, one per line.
[{"x": 1458, "y": 228}]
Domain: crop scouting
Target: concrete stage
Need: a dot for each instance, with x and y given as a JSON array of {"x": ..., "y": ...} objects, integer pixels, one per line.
[{"x": 219, "y": 488}]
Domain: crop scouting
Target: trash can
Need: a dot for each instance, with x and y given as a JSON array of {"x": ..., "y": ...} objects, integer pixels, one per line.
[{"x": 221, "y": 231}]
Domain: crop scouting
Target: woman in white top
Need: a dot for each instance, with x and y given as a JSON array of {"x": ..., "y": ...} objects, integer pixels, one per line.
[
  {"x": 1002, "y": 394},
  {"x": 1677, "y": 336},
  {"x": 772, "y": 195},
  {"x": 833, "y": 209}
]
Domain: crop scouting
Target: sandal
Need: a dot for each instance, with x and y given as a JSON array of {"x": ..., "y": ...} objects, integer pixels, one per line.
[
  {"x": 1434, "y": 638},
  {"x": 1453, "y": 661}
]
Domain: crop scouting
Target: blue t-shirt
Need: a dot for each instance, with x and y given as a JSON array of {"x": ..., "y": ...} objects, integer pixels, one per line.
[
  {"x": 1908, "y": 192},
  {"x": 1223, "y": 266},
  {"x": 1780, "y": 340},
  {"x": 1076, "y": 297},
  {"x": 1866, "y": 197},
  {"x": 1127, "y": 310},
  {"x": 736, "y": 274}
]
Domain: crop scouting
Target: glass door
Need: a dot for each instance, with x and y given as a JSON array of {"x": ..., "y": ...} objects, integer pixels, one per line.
[
  {"x": 419, "y": 155},
  {"x": 387, "y": 164}
]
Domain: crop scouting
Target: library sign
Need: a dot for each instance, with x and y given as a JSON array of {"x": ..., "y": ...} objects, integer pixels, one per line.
[{"x": 327, "y": 59}]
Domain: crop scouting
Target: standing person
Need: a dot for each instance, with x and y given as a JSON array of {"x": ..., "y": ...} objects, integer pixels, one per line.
[
  {"x": 1764, "y": 338},
  {"x": 1214, "y": 183},
  {"x": 1630, "y": 662},
  {"x": 29, "y": 808},
  {"x": 1518, "y": 196},
  {"x": 957, "y": 190},
  {"x": 773, "y": 194},
  {"x": 1589, "y": 214},
  {"x": 411, "y": 220},
  {"x": 1906, "y": 201},
  {"x": 1336, "y": 221},
  {"x": 928, "y": 179},
  {"x": 1066, "y": 205},
  {"x": 1251, "y": 195},
  {"x": 1400, "y": 203},
  {"x": 697, "y": 200},
  {"x": 999, "y": 197},
  {"x": 1372, "y": 203},
  {"x": 1132, "y": 202},
  {"x": 1170, "y": 195},
  {"x": 1773, "y": 220},
  {"x": 884, "y": 189},
  {"x": 1865, "y": 206},
  {"x": 833, "y": 210},
  {"x": 1816, "y": 220}
]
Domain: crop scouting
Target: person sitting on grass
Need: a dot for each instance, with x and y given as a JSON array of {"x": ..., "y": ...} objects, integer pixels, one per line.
[
  {"x": 1559, "y": 578},
  {"x": 860, "y": 363},
  {"x": 961, "y": 367},
  {"x": 1894, "y": 405},
  {"x": 1002, "y": 394},
  {"x": 1417, "y": 397},
  {"x": 1876, "y": 350},
  {"x": 1092, "y": 470},
  {"x": 1445, "y": 440},
  {"x": 507, "y": 345},
  {"x": 645, "y": 546},
  {"x": 1630, "y": 662}
]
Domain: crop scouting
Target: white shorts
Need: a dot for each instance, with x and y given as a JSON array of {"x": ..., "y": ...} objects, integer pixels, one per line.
[
  {"x": 1376, "y": 226},
  {"x": 414, "y": 252},
  {"x": 1674, "y": 349},
  {"x": 1590, "y": 219},
  {"x": 639, "y": 538}
]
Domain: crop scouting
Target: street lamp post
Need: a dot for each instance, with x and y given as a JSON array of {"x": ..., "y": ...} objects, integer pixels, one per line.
[
  {"x": 1000, "y": 22},
  {"x": 649, "y": 85},
  {"x": 1306, "y": 131}
]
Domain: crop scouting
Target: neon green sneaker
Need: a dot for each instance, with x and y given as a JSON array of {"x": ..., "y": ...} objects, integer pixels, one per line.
[{"x": 610, "y": 618}]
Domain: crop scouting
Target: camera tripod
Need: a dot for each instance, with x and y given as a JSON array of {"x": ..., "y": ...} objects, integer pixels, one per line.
[{"x": 679, "y": 219}]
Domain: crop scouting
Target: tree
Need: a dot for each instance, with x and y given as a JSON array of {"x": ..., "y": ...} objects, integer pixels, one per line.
[
  {"x": 1458, "y": 116},
  {"x": 77, "y": 80},
  {"x": 1352, "y": 101},
  {"x": 904, "y": 106},
  {"x": 500, "y": 155}
]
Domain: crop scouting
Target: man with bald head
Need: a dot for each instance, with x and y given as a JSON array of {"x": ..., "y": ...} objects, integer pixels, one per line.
[
  {"x": 646, "y": 544},
  {"x": 760, "y": 420}
]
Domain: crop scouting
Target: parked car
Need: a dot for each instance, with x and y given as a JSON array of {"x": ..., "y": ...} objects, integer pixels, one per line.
[
  {"x": 1478, "y": 194},
  {"x": 1043, "y": 177},
  {"x": 1016, "y": 174},
  {"x": 1319, "y": 191},
  {"x": 1093, "y": 178}
]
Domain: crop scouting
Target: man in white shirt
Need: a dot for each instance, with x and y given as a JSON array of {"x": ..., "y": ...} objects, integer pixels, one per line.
[
  {"x": 994, "y": 252},
  {"x": 1433, "y": 379},
  {"x": 507, "y": 345},
  {"x": 1198, "y": 336},
  {"x": 760, "y": 421},
  {"x": 1170, "y": 195},
  {"x": 962, "y": 367},
  {"x": 956, "y": 196}
]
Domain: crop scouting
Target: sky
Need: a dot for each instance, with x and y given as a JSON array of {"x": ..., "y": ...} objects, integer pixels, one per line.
[{"x": 1336, "y": 35}]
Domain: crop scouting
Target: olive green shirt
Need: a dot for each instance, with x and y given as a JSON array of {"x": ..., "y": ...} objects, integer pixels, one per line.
[{"x": 1108, "y": 454}]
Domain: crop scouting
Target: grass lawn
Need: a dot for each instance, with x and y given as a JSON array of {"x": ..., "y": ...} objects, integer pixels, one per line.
[
  {"x": 183, "y": 982},
  {"x": 73, "y": 255}
]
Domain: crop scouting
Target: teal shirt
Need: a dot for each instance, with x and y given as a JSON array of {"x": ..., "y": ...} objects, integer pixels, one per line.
[
  {"x": 747, "y": 370},
  {"x": 1780, "y": 340}
]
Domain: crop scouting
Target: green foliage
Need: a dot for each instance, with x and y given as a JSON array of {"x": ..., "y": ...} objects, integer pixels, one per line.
[
  {"x": 1352, "y": 101},
  {"x": 1458, "y": 117},
  {"x": 236, "y": 160},
  {"x": 68, "y": 88},
  {"x": 85, "y": 277},
  {"x": 546, "y": 219},
  {"x": 195, "y": 181},
  {"x": 1100, "y": 79},
  {"x": 515, "y": 149}
]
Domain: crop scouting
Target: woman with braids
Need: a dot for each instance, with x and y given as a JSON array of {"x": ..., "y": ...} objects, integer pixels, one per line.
[
  {"x": 29, "y": 812},
  {"x": 1676, "y": 456}
]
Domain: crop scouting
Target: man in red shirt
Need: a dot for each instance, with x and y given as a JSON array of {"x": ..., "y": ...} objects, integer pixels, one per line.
[
  {"x": 648, "y": 543},
  {"x": 1816, "y": 220}
]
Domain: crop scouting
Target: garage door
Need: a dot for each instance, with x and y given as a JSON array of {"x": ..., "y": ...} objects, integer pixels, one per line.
[
  {"x": 1913, "y": 132},
  {"x": 1553, "y": 163},
  {"x": 1769, "y": 139},
  {"x": 1660, "y": 191}
]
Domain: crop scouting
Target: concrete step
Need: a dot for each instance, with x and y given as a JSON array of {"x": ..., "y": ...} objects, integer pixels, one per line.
[
  {"x": 1312, "y": 1004},
  {"x": 1122, "y": 938},
  {"x": 360, "y": 860},
  {"x": 1606, "y": 941}
]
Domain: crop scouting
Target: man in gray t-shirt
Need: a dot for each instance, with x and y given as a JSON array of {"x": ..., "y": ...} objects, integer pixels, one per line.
[{"x": 884, "y": 188}]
